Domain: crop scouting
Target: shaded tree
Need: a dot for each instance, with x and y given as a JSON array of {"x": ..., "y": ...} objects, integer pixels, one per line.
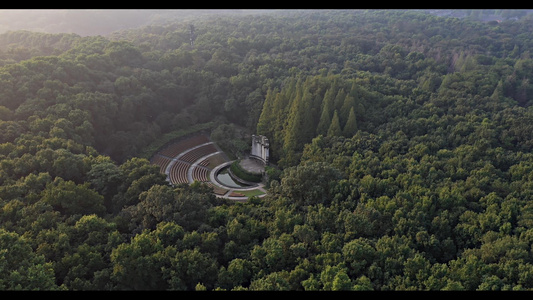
[{"x": 335, "y": 126}]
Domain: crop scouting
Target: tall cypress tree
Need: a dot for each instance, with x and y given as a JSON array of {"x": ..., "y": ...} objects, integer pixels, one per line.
[
  {"x": 339, "y": 99},
  {"x": 279, "y": 112},
  {"x": 349, "y": 102},
  {"x": 351, "y": 124},
  {"x": 308, "y": 117},
  {"x": 335, "y": 127},
  {"x": 267, "y": 117},
  {"x": 357, "y": 92},
  {"x": 325, "y": 120},
  {"x": 294, "y": 122},
  {"x": 292, "y": 137},
  {"x": 325, "y": 116}
]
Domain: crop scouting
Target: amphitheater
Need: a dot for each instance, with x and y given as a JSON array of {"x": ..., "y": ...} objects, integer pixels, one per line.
[{"x": 197, "y": 158}]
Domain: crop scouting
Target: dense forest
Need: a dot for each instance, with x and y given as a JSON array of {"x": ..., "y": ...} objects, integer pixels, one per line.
[{"x": 401, "y": 154}]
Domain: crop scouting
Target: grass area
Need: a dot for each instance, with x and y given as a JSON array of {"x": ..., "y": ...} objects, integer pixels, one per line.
[{"x": 252, "y": 193}]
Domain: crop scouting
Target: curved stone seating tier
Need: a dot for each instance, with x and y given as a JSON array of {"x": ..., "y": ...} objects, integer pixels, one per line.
[
  {"x": 178, "y": 172},
  {"x": 200, "y": 174},
  {"x": 161, "y": 161},
  {"x": 195, "y": 154},
  {"x": 213, "y": 161}
]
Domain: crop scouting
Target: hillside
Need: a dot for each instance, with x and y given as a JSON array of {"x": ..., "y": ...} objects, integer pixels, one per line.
[{"x": 401, "y": 153}]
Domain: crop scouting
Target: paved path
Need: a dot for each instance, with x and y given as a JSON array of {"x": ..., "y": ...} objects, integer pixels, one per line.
[
  {"x": 195, "y": 164},
  {"x": 212, "y": 178}
]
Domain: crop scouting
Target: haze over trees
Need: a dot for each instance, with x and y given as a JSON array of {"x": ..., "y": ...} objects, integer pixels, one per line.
[{"x": 401, "y": 144}]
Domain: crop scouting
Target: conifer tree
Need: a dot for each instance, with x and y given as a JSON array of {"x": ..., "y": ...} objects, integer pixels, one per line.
[
  {"x": 339, "y": 99},
  {"x": 351, "y": 124},
  {"x": 349, "y": 102},
  {"x": 300, "y": 128},
  {"x": 335, "y": 127},
  {"x": 294, "y": 122},
  {"x": 498, "y": 91},
  {"x": 267, "y": 117},
  {"x": 325, "y": 116},
  {"x": 325, "y": 121},
  {"x": 308, "y": 117},
  {"x": 354, "y": 90},
  {"x": 279, "y": 112},
  {"x": 358, "y": 95},
  {"x": 291, "y": 88}
]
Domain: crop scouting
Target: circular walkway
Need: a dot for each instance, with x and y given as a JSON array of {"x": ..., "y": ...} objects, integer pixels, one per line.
[{"x": 257, "y": 189}]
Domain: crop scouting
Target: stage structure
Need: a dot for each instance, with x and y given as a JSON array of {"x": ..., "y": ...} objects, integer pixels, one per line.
[{"x": 260, "y": 148}]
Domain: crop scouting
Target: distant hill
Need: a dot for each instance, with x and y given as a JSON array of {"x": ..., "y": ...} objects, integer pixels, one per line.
[
  {"x": 87, "y": 22},
  {"x": 483, "y": 15}
]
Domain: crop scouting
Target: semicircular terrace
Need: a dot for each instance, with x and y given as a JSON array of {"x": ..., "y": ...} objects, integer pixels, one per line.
[{"x": 197, "y": 158}]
